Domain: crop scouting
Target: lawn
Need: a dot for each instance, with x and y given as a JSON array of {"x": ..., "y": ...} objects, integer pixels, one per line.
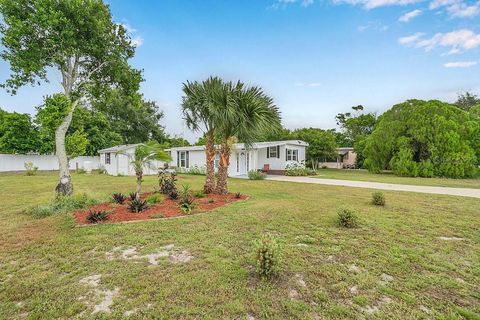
[
  {"x": 394, "y": 266},
  {"x": 388, "y": 177}
]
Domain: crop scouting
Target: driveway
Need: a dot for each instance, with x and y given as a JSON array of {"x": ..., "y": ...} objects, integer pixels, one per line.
[{"x": 463, "y": 192}]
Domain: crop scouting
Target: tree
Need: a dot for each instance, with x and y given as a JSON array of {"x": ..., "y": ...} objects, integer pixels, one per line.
[
  {"x": 78, "y": 39},
  {"x": 246, "y": 113},
  {"x": 356, "y": 128},
  {"x": 425, "y": 138},
  {"x": 467, "y": 100},
  {"x": 201, "y": 103},
  {"x": 17, "y": 133},
  {"x": 144, "y": 156},
  {"x": 322, "y": 144}
]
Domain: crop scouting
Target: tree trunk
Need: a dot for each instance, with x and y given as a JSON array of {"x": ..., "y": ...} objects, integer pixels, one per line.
[
  {"x": 222, "y": 184},
  {"x": 65, "y": 186},
  {"x": 139, "y": 183},
  {"x": 209, "y": 186}
]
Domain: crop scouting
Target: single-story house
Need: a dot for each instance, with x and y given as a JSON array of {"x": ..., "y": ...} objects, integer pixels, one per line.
[
  {"x": 117, "y": 161},
  {"x": 345, "y": 159},
  {"x": 271, "y": 156}
]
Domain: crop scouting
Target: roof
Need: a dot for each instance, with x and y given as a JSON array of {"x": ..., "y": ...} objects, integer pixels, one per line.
[
  {"x": 240, "y": 146},
  {"x": 118, "y": 148},
  {"x": 344, "y": 150}
]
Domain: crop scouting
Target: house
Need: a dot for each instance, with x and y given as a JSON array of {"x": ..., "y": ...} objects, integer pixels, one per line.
[
  {"x": 272, "y": 157},
  {"x": 117, "y": 161},
  {"x": 346, "y": 159}
]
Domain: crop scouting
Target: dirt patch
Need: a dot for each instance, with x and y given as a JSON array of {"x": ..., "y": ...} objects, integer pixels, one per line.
[
  {"x": 168, "y": 251},
  {"x": 375, "y": 307},
  {"x": 166, "y": 209},
  {"x": 107, "y": 296},
  {"x": 451, "y": 238}
]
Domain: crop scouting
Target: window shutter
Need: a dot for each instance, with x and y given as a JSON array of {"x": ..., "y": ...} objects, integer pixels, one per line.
[
  {"x": 178, "y": 159},
  {"x": 268, "y": 152},
  {"x": 278, "y": 152},
  {"x": 187, "y": 159},
  {"x": 286, "y": 154}
]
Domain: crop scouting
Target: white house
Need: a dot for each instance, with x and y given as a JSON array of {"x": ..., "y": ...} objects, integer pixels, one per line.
[
  {"x": 271, "y": 156},
  {"x": 117, "y": 161}
]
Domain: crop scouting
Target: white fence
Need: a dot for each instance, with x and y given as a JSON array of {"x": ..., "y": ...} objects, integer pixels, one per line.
[{"x": 16, "y": 162}]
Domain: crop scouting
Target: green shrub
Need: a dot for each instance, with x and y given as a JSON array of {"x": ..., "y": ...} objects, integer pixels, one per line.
[
  {"x": 267, "y": 255},
  {"x": 196, "y": 170},
  {"x": 154, "y": 198},
  {"x": 256, "y": 175},
  {"x": 137, "y": 205},
  {"x": 378, "y": 198},
  {"x": 298, "y": 169},
  {"x": 167, "y": 182},
  {"x": 186, "y": 200},
  {"x": 31, "y": 170},
  {"x": 61, "y": 204},
  {"x": 97, "y": 216},
  {"x": 347, "y": 218},
  {"x": 199, "y": 194}
]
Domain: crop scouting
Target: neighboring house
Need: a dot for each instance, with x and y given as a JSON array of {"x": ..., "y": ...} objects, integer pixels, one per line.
[
  {"x": 117, "y": 161},
  {"x": 271, "y": 156},
  {"x": 346, "y": 159}
]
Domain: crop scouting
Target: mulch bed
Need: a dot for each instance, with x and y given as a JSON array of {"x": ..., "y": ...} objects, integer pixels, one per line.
[{"x": 166, "y": 209}]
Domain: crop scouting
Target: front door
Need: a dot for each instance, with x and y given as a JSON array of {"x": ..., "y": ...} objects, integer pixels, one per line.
[{"x": 241, "y": 164}]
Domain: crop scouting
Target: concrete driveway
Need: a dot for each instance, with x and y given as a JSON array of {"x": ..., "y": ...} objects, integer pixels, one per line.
[{"x": 463, "y": 192}]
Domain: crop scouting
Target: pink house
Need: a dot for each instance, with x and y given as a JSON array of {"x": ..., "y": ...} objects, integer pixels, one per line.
[{"x": 346, "y": 159}]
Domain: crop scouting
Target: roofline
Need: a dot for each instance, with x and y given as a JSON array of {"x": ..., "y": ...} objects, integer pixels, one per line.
[
  {"x": 255, "y": 145},
  {"x": 118, "y": 148}
]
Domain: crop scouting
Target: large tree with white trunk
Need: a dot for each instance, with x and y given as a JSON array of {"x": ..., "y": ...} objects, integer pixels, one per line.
[{"x": 74, "y": 40}]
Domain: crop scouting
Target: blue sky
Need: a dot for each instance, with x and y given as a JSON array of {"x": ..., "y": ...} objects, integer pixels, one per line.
[{"x": 315, "y": 58}]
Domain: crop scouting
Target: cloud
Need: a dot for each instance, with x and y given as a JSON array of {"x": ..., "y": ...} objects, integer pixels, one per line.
[
  {"x": 410, "y": 15},
  {"x": 373, "y": 25},
  {"x": 308, "y": 84},
  {"x": 410, "y": 39},
  {"x": 457, "y": 8},
  {"x": 278, "y": 4},
  {"x": 457, "y": 41},
  {"x": 135, "y": 38},
  {"x": 372, "y": 4},
  {"x": 460, "y": 64}
]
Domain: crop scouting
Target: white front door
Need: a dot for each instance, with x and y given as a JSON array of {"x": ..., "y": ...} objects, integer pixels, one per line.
[{"x": 241, "y": 163}]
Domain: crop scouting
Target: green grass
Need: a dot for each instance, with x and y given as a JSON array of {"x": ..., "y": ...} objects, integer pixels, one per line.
[
  {"x": 388, "y": 177},
  {"x": 43, "y": 260}
]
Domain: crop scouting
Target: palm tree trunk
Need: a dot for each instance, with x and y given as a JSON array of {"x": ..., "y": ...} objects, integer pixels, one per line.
[
  {"x": 65, "y": 186},
  {"x": 209, "y": 185},
  {"x": 222, "y": 184},
  {"x": 139, "y": 175}
]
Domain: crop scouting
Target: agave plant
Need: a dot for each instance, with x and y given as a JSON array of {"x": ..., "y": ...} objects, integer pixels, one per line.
[
  {"x": 119, "y": 198},
  {"x": 97, "y": 216},
  {"x": 137, "y": 205}
]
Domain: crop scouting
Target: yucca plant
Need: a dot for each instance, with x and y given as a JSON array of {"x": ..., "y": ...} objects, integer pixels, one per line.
[{"x": 119, "y": 198}]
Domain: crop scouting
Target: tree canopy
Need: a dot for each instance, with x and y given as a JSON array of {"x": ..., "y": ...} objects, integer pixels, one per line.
[
  {"x": 425, "y": 138},
  {"x": 17, "y": 133},
  {"x": 467, "y": 100}
]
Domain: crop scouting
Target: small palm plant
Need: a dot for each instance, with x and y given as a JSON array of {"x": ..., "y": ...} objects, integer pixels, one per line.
[{"x": 144, "y": 156}]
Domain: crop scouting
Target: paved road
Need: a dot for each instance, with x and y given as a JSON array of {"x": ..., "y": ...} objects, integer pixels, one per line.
[{"x": 464, "y": 192}]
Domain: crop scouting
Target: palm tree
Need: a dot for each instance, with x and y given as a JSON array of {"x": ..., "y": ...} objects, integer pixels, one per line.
[
  {"x": 200, "y": 111},
  {"x": 246, "y": 114},
  {"x": 144, "y": 156}
]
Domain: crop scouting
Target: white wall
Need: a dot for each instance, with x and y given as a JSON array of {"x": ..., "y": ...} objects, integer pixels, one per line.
[
  {"x": 120, "y": 164},
  {"x": 16, "y": 162},
  {"x": 281, "y": 162}
]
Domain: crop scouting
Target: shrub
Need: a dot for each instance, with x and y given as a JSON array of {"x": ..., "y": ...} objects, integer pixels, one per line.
[
  {"x": 119, "y": 198},
  {"x": 81, "y": 171},
  {"x": 186, "y": 200},
  {"x": 154, "y": 198},
  {"x": 133, "y": 196},
  {"x": 196, "y": 170},
  {"x": 298, "y": 169},
  {"x": 31, "y": 170},
  {"x": 97, "y": 216},
  {"x": 101, "y": 170},
  {"x": 211, "y": 200},
  {"x": 61, "y": 204},
  {"x": 238, "y": 195},
  {"x": 173, "y": 194},
  {"x": 267, "y": 256},
  {"x": 256, "y": 175},
  {"x": 199, "y": 194},
  {"x": 347, "y": 218},
  {"x": 378, "y": 198},
  {"x": 167, "y": 181},
  {"x": 137, "y": 205}
]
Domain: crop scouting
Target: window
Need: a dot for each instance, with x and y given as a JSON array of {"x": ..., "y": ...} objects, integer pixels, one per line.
[
  {"x": 237, "y": 155},
  {"x": 107, "y": 158},
  {"x": 292, "y": 155},
  {"x": 273, "y": 152},
  {"x": 217, "y": 160},
  {"x": 182, "y": 159}
]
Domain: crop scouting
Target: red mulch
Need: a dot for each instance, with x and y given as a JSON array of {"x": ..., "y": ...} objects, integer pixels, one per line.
[{"x": 166, "y": 209}]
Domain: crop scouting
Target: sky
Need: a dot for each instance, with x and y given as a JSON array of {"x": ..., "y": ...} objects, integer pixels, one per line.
[{"x": 314, "y": 58}]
